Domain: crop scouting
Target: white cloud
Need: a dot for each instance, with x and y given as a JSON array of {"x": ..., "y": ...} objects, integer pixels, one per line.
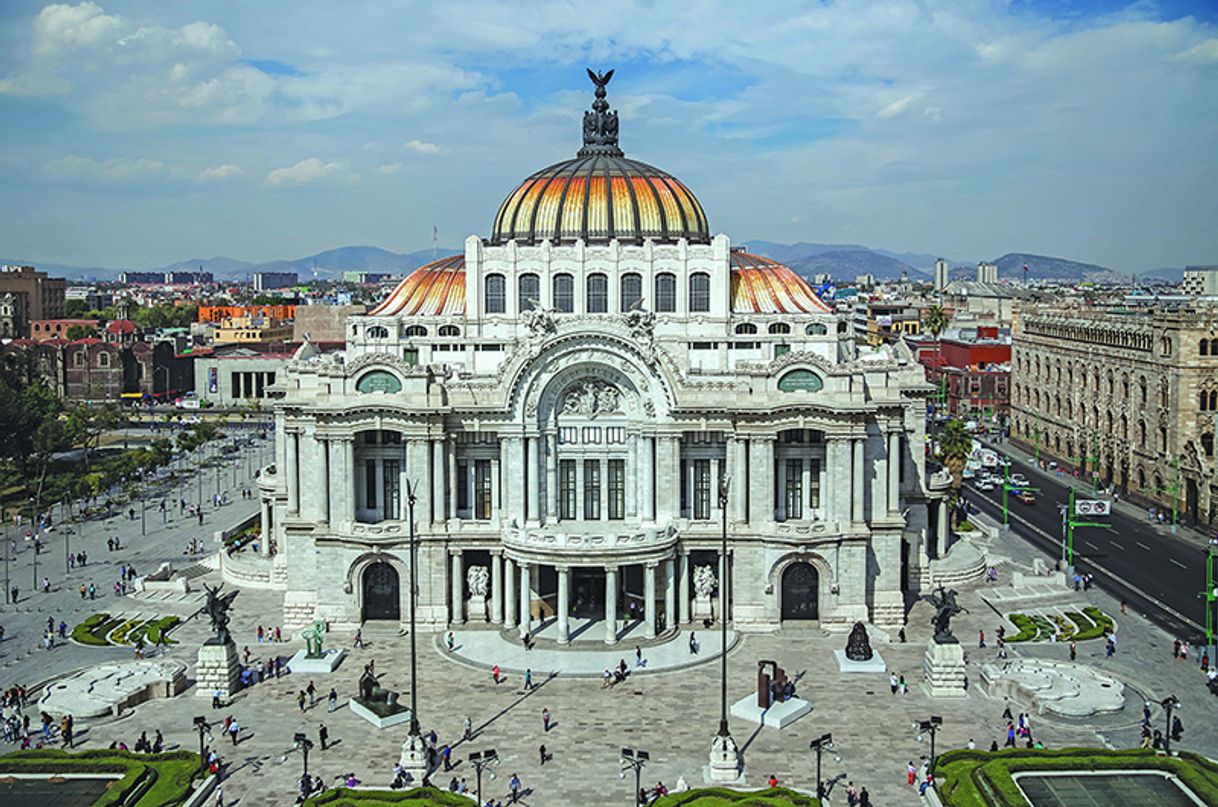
[
  {"x": 421, "y": 147},
  {"x": 389, "y": 169},
  {"x": 118, "y": 170},
  {"x": 310, "y": 172},
  {"x": 1206, "y": 51},
  {"x": 895, "y": 108},
  {"x": 220, "y": 172}
]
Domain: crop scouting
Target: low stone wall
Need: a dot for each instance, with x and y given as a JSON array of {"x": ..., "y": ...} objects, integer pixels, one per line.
[
  {"x": 203, "y": 792},
  {"x": 248, "y": 570},
  {"x": 223, "y": 535},
  {"x": 965, "y": 563}
]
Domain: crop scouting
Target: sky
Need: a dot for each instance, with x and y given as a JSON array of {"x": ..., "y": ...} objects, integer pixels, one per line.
[{"x": 139, "y": 132}]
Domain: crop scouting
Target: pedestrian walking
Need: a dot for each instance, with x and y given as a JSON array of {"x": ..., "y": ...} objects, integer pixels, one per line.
[
  {"x": 468, "y": 728},
  {"x": 323, "y": 735},
  {"x": 693, "y": 644},
  {"x": 528, "y": 680},
  {"x": 864, "y": 798},
  {"x": 911, "y": 774},
  {"x": 541, "y": 752},
  {"x": 1073, "y": 650},
  {"x": 450, "y": 641},
  {"x": 545, "y": 719},
  {"x": 300, "y": 700},
  {"x": 495, "y": 673},
  {"x": 233, "y": 729},
  {"x": 981, "y": 639},
  {"x": 638, "y": 656},
  {"x": 892, "y": 682},
  {"x": 332, "y": 700},
  {"x": 359, "y": 639},
  {"x": 312, "y": 690},
  {"x": 514, "y": 787}
]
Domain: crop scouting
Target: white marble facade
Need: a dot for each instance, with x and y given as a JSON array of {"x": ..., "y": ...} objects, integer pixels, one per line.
[{"x": 564, "y": 413}]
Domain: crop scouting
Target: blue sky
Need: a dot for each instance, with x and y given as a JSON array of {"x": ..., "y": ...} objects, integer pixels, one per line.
[{"x": 138, "y": 132}]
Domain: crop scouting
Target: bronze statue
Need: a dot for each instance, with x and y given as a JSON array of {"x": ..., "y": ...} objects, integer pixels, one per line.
[
  {"x": 216, "y": 608},
  {"x": 945, "y": 608},
  {"x": 600, "y": 124},
  {"x": 858, "y": 646}
]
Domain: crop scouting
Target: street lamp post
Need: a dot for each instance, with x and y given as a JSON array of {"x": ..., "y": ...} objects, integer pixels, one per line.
[
  {"x": 67, "y": 538},
  {"x": 931, "y": 726},
  {"x": 414, "y": 751},
  {"x": 820, "y": 745},
  {"x": 634, "y": 759},
  {"x": 482, "y": 760},
  {"x": 34, "y": 528},
  {"x": 202, "y": 727},
  {"x": 725, "y": 755},
  {"x": 1169, "y": 703},
  {"x": 8, "y": 543},
  {"x": 305, "y": 745}
]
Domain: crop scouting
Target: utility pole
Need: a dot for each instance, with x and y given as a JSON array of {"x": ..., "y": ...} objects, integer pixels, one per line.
[
  {"x": 1070, "y": 525},
  {"x": 1210, "y": 594}
]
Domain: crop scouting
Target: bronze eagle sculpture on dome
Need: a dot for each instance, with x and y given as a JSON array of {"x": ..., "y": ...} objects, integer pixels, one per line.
[{"x": 600, "y": 79}]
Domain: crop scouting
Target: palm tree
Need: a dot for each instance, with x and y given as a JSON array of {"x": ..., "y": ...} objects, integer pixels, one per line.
[
  {"x": 955, "y": 445},
  {"x": 935, "y": 322}
]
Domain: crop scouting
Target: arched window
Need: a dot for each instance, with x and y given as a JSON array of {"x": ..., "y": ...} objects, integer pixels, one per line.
[
  {"x": 449, "y": 330},
  {"x": 666, "y": 292},
  {"x": 528, "y": 291},
  {"x": 1207, "y": 444},
  {"x": 103, "y": 359},
  {"x": 78, "y": 359},
  {"x": 1142, "y": 389},
  {"x": 496, "y": 294},
  {"x": 780, "y": 327},
  {"x": 800, "y": 381},
  {"x": 746, "y": 327},
  {"x": 598, "y": 293},
  {"x": 632, "y": 290},
  {"x": 1162, "y": 438},
  {"x": 1141, "y": 478},
  {"x": 1214, "y": 400},
  {"x": 1214, "y": 347},
  {"x": 816, "y": 329},
  {"x": 1205, "y": 347},
  {"x": 1141, "y": 432},
  {"x": 1203, "y": 401},
  {"x": 699, "y": 292},
  {"x": 415, "y": 330},
  {"x": 564, "y": 293},
  {"x": 378, "y": 332}
]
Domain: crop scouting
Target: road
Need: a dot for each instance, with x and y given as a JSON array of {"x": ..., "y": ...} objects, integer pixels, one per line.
[{"x": 1160, "y": 573}]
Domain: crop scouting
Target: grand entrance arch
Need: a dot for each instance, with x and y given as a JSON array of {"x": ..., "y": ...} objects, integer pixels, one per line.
[
  {"x": 800, "y": 591},
  {"x": 381, "y": 599}
]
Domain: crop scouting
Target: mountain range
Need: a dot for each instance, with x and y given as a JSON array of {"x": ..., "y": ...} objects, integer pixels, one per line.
[{"x": 843, "y": 262}]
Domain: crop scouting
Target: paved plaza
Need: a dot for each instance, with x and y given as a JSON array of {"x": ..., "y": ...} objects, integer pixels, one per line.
[{"x": 671, "y": 709}]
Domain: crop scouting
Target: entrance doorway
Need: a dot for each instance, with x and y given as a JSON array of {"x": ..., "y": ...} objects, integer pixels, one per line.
[
  {"x": 588, "y": 593},
  {"x": 800, "y": 590},
  {"x": 381, "y": 593}
]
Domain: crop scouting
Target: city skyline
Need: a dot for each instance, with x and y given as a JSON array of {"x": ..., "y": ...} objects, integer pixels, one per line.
[{"x": 139, "y": 134}]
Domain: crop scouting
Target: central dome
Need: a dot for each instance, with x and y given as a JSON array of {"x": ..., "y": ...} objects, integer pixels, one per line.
[{"x": 600, "y": 195}]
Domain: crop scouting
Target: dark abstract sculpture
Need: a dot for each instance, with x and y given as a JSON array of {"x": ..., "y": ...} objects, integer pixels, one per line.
[
  {"x": 600, "y": 125},
  {"x": 858, "y": 646},
  {"x": 772, "y": 686},
  {"x": 945, "y": 608},
  {"x": 216, "y": 608}
]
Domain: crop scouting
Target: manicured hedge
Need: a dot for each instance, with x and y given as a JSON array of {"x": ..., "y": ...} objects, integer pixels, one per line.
[
  {"x": 720, "y": 797},
  {"x": 83, "y": 632},
  {"x": 983, "y": 779},
  {"x": 1027, "y": 628},
  {"x": 162, "y": 626},
  {"x": 417, "y": 797},
  {"x": 150, "y": 780}
]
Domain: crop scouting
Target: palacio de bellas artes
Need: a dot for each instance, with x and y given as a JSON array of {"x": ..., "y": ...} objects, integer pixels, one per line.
[{"x": 565, "y": 419}]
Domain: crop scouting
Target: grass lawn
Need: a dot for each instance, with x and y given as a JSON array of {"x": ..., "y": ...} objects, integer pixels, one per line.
[
  {"x": 150, "y": 780},
  {"x": 721, "y": 797},
  {"x": 983, "y": 779},
  {"x": 99, "y": 630},
  {"x": 418, "y": 797}
]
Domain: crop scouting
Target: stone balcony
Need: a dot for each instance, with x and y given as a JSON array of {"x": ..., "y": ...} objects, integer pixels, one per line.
[{"x": 590, "y": 543}]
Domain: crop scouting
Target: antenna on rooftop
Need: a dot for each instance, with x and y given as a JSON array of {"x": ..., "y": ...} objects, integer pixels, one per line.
[{"x": 435, "y": 236}]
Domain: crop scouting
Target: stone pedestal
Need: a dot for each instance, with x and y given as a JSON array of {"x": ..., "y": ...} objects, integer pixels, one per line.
[
  {"x": 944, "y": 669},
  {"x": 725, "y": 766},
  {"x": 414, "y": 757},
  {"x": 701, "y": 609},
  {"x": 476, "y": 609},
  {"x": 874, "y": 665},
  {"x": 302, "y": 663},
  {"x": 778, "y": 716},
  {"x": 217, "y": 669}
]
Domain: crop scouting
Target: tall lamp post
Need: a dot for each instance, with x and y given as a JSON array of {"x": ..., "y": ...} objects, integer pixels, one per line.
[
  {"x": 482, "y": 760},
  {"x": 725, "y": 755},
  {"x": 305, "y": 745},
  {"x": 203, "y": 728},
  {"x": 820, "y": 745},
  {"x": 931, "y": 726},
  {"x": 636, "y": 760},
  {"x": 414, "y": 751},
  {"x": 34, "y": 529},
  {"x": 1169, "y": 703}
]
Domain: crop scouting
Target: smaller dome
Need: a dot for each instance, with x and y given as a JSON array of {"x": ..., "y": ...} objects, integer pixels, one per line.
[
  {"x": 434, "y": 289},
  {"x": 764, "y": 286}
]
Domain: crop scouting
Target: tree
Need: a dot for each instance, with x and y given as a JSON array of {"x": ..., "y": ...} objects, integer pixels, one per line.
[
  {"x": 166, "y": 316},
  {"x": 75, "y": 309},
  {"x": 955, "y": 445},
  {"x": 79, "y": 332},
  {"x": 936, "y": 320},
  {"x": 90, "y": 422}
]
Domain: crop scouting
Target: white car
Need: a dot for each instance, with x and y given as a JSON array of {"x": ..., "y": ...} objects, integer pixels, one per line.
[
  {"x": 1019, "y": 479},
  {"x": 985, "y": 484}
]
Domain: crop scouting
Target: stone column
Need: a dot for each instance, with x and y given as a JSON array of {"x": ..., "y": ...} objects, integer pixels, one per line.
[
  {"x": 564, "y": 604},
  {"x": 497, "y": 588},
  {"x": 894, "y": 472},
  {"x": 438, "y": 513},
  {"x": 452, "y": 476},
  {"x": 683, "y": 593},
  {"x": 941, "y": 530},
  {"x": 526, "y": 600},
  {"x": 458, "y": 587},
  {"x": 857, "y": 496},
  {"x": 551, "y": 477},
  {"x": 610, "y": 605},
  {"x": 649, "y": 597},
  {"x": 323, "y": 468},
  {"x": 667, "y": 454},
  {"x": 347, "y": 481},
  {"x": 496, "y": 497},
  {"x": 532, "y": 478},
  {"x": 761, "y": 479},
  {"x": 715, "y": 511},
  {"x": 293, "y": 472},
  {"x": 264, "y": 544},
  {"x": 647, "y": 473},
  {"x": 670, "y": 594},
  {"x": 509, "y": 593}
]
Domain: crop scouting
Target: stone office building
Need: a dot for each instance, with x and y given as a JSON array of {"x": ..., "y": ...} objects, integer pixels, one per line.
[
  {"x": 565, "y": 399},
  {"x": 1130, "y": 394}
]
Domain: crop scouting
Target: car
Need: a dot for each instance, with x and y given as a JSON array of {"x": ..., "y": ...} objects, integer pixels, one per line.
[
  {"x": 984, "y": 484},
  {"x": 1018, "y": 479},
  {"x": 1027, "y": 497}
]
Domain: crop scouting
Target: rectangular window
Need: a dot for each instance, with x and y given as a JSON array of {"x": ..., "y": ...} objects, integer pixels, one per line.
[
  {"x": 370, "y": 484},
  {"x": 592, "y": 435},
  {"x": 684, "y": 486},
  {"x": 462, "y": 485},
  {"x": 781, "y": 350},
  {"x": 615, "y": 435},
  {"x": 617, "y": 490},
  {"x": 411, "y": 355},
  {"x": 592, "y": 490},
  {"x": 814, "y": 484},
  {"x": 392, "y": 486},
  {"x": 568, "y": 435},
  {"x": 702, "y": 489},
  {"x": 704, "y": 345},
  {"x": 795, "y": 488},
  {"x": 482, "y": 489},
  {"x": 566, "y": 489}
]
